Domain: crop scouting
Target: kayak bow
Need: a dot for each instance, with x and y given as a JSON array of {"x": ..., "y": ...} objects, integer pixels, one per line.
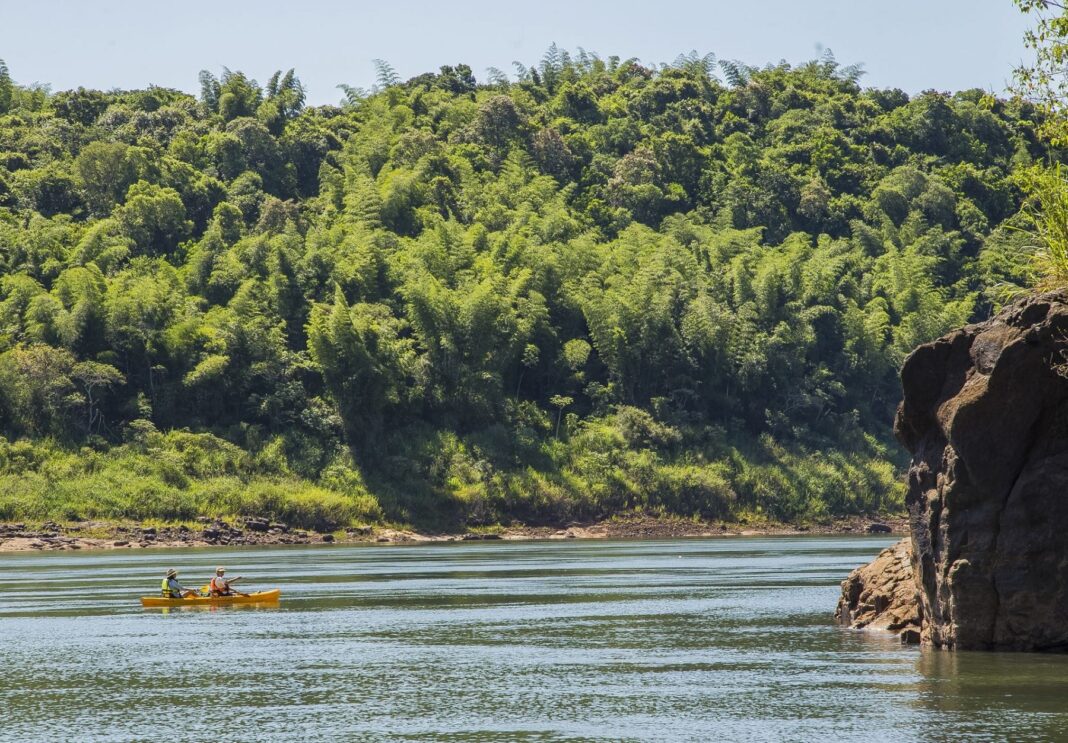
[{"x": 260, "y": 597}]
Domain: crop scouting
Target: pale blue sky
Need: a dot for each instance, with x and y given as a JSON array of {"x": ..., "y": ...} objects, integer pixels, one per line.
[{"x": 910, "y": 44}]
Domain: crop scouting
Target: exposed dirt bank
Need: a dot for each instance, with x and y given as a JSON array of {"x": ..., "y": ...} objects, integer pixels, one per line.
[{"x": 230, "y": 532}]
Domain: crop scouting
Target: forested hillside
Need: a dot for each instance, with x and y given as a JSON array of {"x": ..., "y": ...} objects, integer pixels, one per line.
[{"x": 589, "y": 287}]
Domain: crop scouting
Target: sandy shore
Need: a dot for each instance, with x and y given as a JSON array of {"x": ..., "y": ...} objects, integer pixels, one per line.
[{"x": 94, "y": 535}]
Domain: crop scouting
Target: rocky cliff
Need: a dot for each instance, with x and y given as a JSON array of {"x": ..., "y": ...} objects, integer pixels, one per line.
[{"x": 985, "y": 416}]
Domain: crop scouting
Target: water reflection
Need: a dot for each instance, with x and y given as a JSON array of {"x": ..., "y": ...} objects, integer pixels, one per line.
[
  {"x": 254, "y": 606},
  {"x": 1027, "y": 693}
]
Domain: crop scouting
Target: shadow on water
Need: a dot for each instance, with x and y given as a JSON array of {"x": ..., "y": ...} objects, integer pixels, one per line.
[
  {"x": 255, "y": 606},
  {"x": 1026, "y": 693}
]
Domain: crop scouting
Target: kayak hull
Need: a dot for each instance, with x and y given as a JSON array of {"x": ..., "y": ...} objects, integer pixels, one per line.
[{"x": 260, "y": 597}]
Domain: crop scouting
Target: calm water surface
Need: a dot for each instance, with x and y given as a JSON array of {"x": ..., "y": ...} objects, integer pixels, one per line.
[{"x": 723, "y": 639}]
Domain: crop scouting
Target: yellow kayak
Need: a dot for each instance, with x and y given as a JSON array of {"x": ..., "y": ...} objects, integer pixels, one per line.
[{"x": 260, "y": 597}]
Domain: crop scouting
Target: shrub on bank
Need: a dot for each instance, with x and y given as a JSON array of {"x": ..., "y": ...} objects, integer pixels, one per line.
[
  {"x": 623, "y": 462},
  {"x": 168, "y": 477},
  {"x": 302, "y": 504}
]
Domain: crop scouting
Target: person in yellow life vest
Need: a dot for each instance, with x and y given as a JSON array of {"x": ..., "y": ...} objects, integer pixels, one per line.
[
  {"x": 220, "y": 585},
  {"x": 172, "y": 589}
]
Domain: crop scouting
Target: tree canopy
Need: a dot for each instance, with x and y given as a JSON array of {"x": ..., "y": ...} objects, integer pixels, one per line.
[{"x": 592, "y": 286}]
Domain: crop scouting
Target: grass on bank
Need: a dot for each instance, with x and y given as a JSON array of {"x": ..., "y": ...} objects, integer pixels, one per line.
[
  {"x": 1048, "y": 207},
  {"x": 170, "y": 477},
  {"x": 626, "y": 462}
]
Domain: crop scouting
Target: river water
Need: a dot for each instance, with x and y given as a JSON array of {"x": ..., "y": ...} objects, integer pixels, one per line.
[{"x": 715, "y": 639}]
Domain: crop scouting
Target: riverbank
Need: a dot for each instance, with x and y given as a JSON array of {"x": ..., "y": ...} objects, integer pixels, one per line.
[{"x": 96, "y": 535}]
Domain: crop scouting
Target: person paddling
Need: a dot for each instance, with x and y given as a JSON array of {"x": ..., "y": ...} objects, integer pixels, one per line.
[
  {"x": 172, "y": 589},
  {"x": 220, "y": 586}
]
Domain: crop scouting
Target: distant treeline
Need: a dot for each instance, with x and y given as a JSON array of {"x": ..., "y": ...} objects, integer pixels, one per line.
[{"x": 589, "y": 287}]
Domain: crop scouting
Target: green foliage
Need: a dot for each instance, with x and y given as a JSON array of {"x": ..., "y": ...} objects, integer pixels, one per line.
[
  {"x": 1045, "y": 82},
  {"x": 6, "y": 88},
  {"x": 106, "y": 171},
  {"x": 596, "y": 287},
  {"x": 153, "y": 218},
  {"x": 1049, "y": 210},
  {"x": 170, "y": 477}
]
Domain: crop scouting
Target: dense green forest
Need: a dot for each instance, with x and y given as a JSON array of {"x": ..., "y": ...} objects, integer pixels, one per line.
[{"x": 589, "y": 287}]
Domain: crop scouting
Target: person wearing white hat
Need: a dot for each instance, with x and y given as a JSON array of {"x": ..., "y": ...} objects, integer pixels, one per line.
[{"x": 220, "y": 586}]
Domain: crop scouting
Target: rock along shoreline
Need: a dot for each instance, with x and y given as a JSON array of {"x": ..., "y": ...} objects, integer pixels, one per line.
[
  {"x": 98, "y": 535},
  {"x": 984, "y": 416}
]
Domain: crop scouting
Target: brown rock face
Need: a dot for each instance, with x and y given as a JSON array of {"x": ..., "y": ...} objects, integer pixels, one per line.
[
  {"x": 882, "y": 594},
  {"x": 985, "y": 416}
]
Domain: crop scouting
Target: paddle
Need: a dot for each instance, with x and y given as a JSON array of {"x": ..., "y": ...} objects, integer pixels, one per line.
[{"x": 206, "y": 588}]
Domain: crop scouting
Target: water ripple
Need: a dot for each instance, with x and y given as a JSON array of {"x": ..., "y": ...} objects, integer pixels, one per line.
[{"x": 723, "y": 639}]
